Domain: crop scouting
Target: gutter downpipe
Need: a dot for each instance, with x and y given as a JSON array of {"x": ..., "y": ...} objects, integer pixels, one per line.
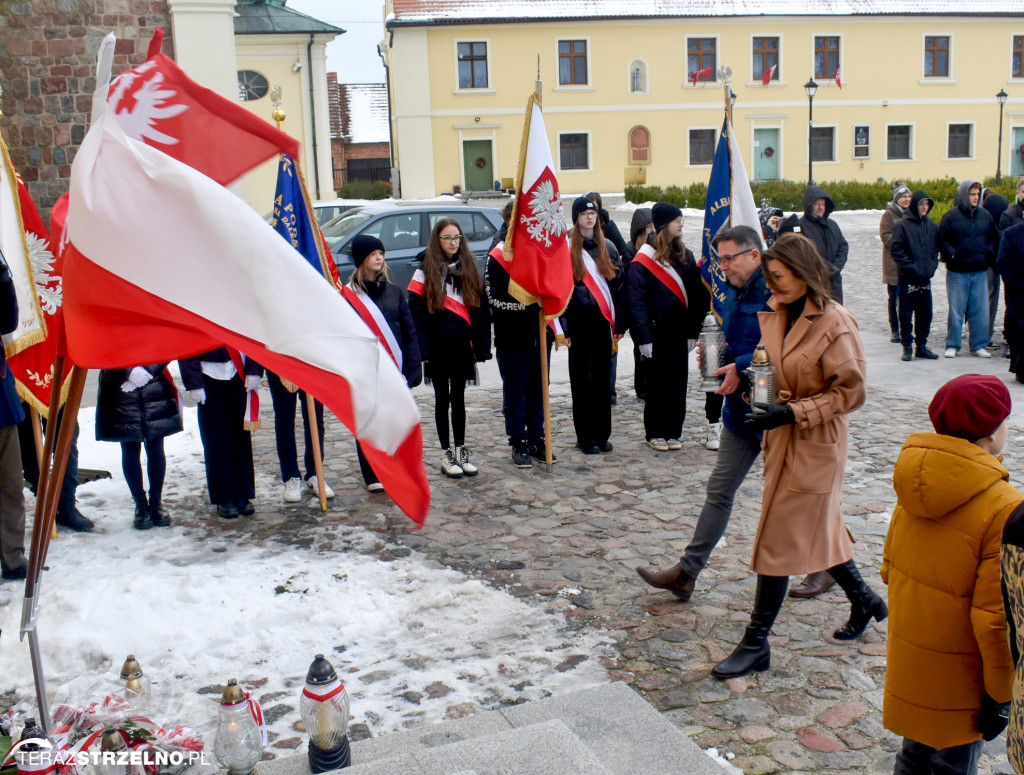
[{"x": 312, "y": 110}]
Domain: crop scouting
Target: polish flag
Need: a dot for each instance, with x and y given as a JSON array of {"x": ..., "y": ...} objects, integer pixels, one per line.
[
  {"x": 536, "y": 251},
  {"x": 705, "y": 73},
  {"x": 838, "y": 80},
  {"x": 164, "y": 263},
  {"x": 768, "y": 74}
]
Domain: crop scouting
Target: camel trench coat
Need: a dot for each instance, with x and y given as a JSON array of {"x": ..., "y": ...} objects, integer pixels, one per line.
[{"x": 820, "y": 371}]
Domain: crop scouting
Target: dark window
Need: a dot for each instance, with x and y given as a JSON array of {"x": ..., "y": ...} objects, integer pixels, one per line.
[
  {"x": 702, "y": 146},
  {"x": 251, "y": 85},
  {"x": 472, "y": 65},
  {"x": 861, "y": 142},
  {"x": 936, "y": 57},
  {"x": 398, "y": 232},
  {"x": 572, "y": 62},
  {"x": 898, "y": 142},
  {"x": 639, "y": 145},
  {"x": 823, "y": 143},
  {"x": 766, "y": 55},
  {"x": 700, "y": 56},
  {"x": 959, "y": 141},
  {"x": 826, "y": 57},
  {"x": 572, "y": 150},
  {"x": 474, "y": 225},
  {"x": 1018, "y": 56}
]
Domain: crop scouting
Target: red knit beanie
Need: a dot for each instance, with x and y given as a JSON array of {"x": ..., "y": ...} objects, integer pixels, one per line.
[{"x": 971, "y": 406}]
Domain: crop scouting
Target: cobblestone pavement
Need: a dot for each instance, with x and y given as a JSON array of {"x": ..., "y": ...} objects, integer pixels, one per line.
[{"x": 570, "y": 540}]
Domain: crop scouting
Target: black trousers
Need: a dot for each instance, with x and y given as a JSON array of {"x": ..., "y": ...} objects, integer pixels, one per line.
[
  {"x": 894, "y": 317},
  {"x": 590, "y": 363},
  {"x": 227, "y": 446},
  {"x": 915, "y": 301},
  {"x": 369, "y": 477},
  {"x": 1013, "y": 331},
  {"x": 284, "y": 428},
  {"x": 522, "y": 395},
  {"x": 713, "y": 407},
  {"x": 665, "y": 407},
  {"x": 30, "y": 464}
]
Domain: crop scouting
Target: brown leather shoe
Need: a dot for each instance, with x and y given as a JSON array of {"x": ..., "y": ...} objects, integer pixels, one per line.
[
  {"x": 814, "y": 584},
  {"x": 674, "y": 579}
]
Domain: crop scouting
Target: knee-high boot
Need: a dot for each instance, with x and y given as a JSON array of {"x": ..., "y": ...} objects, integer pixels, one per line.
[
  {"x": 865, "y": 603},
  {"x": 753, "y": 653}
]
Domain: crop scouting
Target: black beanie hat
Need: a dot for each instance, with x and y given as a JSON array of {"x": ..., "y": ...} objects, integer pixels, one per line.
[
  {"x": 663, "y": 213},
  {"x": 362, "y": 246},
  {"x": 581, "y": 204}
]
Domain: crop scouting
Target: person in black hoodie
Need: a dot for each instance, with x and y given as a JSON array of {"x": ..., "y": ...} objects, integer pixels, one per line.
[
  {"x": 913, "y": 246},
  {"x": 816, "y": 225},
  {"x": 453, "y": 328},
  {"x": 589, "y": 332},
  {"x": 968, "y": 241},
  {"x": 667, "y": 302},
  {"x": 1010, "y": 265},
  {"x": 369, "y": 284}
]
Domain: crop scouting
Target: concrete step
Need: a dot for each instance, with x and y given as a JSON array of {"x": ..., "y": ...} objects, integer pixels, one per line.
[{"x": 606, "y": 730}]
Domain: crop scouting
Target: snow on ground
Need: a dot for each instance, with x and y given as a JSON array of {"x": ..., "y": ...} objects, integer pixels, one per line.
[{"x": 197, "y": 610}]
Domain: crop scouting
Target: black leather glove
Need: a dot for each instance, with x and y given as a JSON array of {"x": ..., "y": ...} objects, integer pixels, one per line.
[
  {"x": 770, "y": 416},
  {"x": 994, "y": 717}
]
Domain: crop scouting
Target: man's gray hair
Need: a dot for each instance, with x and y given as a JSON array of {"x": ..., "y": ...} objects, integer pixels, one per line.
[{"x": 744, "y": 236}]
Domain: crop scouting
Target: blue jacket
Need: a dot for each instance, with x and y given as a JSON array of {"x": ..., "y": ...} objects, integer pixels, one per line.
[{"x": 742, "y": 333}]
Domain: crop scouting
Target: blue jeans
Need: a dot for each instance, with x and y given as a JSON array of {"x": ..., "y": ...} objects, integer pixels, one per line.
[
  {"x": 968, "y": 298},
  {"x": 921, "y": 759}
]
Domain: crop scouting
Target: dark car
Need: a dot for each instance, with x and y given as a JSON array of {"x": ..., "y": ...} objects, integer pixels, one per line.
[{"x": 405, "y": 230}]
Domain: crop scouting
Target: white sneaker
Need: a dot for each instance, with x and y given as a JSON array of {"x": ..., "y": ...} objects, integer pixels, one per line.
[
  {"x": 293, "y": 490},
  {"x": 375, "y": 487},
  {"x": 659, "y": 444},
  {"x": 449, "y": 466},
  {"x": 714, "y": 436},
  {"x": 674, "y": 444},
  {"x": 950, "y": 352},
  {"x": 982, "y": 353},
  {"x": 463, "y": 457},
  {"x": 315, "y": 487}
]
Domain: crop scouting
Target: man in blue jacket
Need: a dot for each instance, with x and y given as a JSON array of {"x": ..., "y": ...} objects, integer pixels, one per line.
[
  {"x": 739, "y": 254},
  {"x": 12, "y": 497}
]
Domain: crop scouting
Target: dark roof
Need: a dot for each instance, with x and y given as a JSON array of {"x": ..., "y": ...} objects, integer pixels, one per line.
[{"x": 269, "y": 17}]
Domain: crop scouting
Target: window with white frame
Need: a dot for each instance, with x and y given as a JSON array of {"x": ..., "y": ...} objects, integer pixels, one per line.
[
  {"x": 572, "y": 62},
  {"x": 574, "y": 151},
  {"x": 959, "y": 145},
  {"x": 701, "y": 59},
  {"x": 898, "y": 138},
  {"x": 765, "y": 53},
  {"x": 702, "y": 146},
  {"x": 826, "y": 56},
  {"x": 823, "y": 143},
  {"x": 472, "y": 64},
  {"x": 1017, "y": 57},
  {"x": 861, "y": 142},
  {"x": 936, "y": 56}
]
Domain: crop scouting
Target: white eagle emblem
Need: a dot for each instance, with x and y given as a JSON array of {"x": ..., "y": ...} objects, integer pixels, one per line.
[
  {"x": 546, "y": 218},
  {"x": 139, "y": 111},
  {"x": 50, "y": 294}
]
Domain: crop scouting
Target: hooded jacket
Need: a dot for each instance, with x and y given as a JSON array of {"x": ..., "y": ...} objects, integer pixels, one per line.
[
  {"x": 826, "y": 236},
  {"x": 642, "y": 218},
  {"x": 913, "y": 244},
  {"x": 967, "y": 234},
  {"x": 947, "y": 633}
]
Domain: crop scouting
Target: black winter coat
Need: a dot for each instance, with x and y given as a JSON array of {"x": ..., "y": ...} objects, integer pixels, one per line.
[
  {"x": 968, "y": 239},
  {"x": 394, "y": 306},
  {"x": 1013, "y": 215},
  {"x": 582, "y": 317},
  {"x": 651, "y": 305},
  {"x": 1010, "y": 266},
  {"x": 826, "y": 236},
  {"x": 145, "y": 414},
  {"x": 516, "y": 325},
  {"x": 612, "y": 233},
  {"x": 913, "y": 244}
]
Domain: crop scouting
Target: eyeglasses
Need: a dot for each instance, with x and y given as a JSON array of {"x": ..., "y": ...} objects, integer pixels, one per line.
[
  {"x": 734, "y": 256},
  {"x": 450, "y": 240}
]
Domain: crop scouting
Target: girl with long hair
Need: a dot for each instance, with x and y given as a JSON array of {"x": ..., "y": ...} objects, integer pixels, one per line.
[{"x": 454, "y": 332}]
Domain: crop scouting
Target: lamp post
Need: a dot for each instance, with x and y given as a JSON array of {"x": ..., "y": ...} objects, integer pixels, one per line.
[
  {"x": 810, "y": 87},
  {"x": 1001, "y": 99}
]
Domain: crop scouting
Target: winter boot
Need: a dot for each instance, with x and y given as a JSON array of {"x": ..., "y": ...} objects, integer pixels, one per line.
[
  {"x": 674, "y": 579},
  {"x": 908, "y": 353},
  {"x": 753, "y": 652},
  {"x": 865, "y": 603},
  {"x": 156, "y": 512},
  {"x": 143, "y": 520},
  {"x": 450, "y": 464}
]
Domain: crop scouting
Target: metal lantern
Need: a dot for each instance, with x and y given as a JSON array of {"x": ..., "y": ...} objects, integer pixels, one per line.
[
  {"x": 238, "y": 745},
  {"x": 113, "y": 741},
  {"x": 324, "y": 707},
  {"x": 136, "y": 683},
  {"x": 712, "y": 353},
  {"x": 762, "y": 379},
  {"x": 34, "y": 758}
]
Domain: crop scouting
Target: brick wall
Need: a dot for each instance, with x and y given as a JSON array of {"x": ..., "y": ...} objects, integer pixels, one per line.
[
  {"x": 47, "y": 71},
  {"x": 366, "y": 150}
]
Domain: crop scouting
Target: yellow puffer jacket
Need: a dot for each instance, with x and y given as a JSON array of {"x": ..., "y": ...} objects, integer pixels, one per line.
[{"x": 947, "y": 633}]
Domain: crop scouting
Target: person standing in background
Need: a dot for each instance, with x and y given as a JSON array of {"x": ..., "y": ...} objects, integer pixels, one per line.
[{"x": 890, "y": 274}]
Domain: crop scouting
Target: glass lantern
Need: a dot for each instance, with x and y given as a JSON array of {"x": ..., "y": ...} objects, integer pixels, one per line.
[
  {"x": 113, "y": 742},
  {"x": 324, "y": 707},
  {"x": 238, "y": 745},
  {"x": 712, "y": 353},
  {"x": 136, "y": 684},
  {"x": 762, "y": 379}
]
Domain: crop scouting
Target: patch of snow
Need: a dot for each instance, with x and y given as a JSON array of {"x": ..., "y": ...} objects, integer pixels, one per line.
[{"x": 724, "y": 762}]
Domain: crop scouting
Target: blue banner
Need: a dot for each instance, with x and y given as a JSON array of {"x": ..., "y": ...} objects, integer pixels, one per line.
[
  {"x": 716, "y": 217},
  {"x": 291, "y": 220}
]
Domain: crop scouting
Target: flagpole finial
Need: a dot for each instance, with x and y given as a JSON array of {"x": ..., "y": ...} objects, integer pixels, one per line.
[{"x": 275, "y": 98}]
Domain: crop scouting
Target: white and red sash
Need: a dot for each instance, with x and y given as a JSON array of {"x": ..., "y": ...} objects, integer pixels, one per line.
[
  {"x": 598, "y": 287},
  {"x": 668, "y": 276},
  {"x": 374, "y": 318},
  {"x": 452, "y": 298},
  {"x": 251, "y": 421}
]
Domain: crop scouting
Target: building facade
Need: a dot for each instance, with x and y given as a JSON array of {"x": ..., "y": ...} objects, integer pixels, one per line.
[{"x": 636, "y": 97}]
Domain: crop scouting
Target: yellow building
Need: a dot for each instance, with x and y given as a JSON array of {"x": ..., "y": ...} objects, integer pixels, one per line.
[{"x": 631, "y": 91}]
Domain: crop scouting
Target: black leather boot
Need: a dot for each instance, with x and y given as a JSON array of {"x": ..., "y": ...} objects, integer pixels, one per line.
[
  {"x": 753, "y": 652},
  {"x": 142, "y": 519},
  {"x": 865, "y": 603},
  {"x": 156, "y": 512}
]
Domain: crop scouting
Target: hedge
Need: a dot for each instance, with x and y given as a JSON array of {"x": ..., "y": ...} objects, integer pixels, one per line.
[{"x": 365, "y": 189}]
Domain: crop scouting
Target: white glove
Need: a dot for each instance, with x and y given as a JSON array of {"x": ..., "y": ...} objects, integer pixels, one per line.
[
  {"x": 128, "y": 386},
  {"x": 199, "y": 396},
  {"x": 647, "y": 350},
  {"x": 690, "y": 344},
  {"x": 252, "y": 382},
  {"x": 140, "y": 377}
]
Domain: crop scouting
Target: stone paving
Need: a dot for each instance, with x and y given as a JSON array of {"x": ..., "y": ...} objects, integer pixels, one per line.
[{"x": 570, "y": 540}]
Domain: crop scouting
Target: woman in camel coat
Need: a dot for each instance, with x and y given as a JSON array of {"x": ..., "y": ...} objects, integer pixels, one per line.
[{"x": 818, "y": 362}]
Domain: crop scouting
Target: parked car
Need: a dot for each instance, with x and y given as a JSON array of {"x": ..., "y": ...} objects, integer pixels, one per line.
[
  {"x": 329, "y": 209},
  {"x": 405, "y": 230}
]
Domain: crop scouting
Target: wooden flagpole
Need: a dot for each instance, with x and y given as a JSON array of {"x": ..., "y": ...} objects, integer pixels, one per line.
[
  {"x": 37, "y": 437},
  {"x": 543, "y": 339}
]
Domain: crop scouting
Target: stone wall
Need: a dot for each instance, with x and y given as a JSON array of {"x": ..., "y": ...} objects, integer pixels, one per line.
[{"x": 47, "y": 71}]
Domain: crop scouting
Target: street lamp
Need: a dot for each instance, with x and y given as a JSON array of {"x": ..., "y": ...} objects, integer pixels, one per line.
[
  {"x": 1001, "y": 99},
  {"x": 732, "y": 98},
  {"x": 810, "y": 87}
]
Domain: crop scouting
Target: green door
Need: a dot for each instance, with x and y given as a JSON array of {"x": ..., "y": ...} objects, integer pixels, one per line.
[
  {"x": 478, "y": 165},
  {"x": 766, "y": 154}
]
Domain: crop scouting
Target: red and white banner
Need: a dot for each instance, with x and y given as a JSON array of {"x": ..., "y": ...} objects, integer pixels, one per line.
[
  {"x": 217, "y": 274},
  {"x": 768, "y": 74},
  {"x": 838, "y": 77},
  {"x": 668, "y": 276},
  {"x": 374, "y": 318}
]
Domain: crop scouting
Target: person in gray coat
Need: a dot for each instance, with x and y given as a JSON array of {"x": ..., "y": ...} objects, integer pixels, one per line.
[{"x": 825, "y": 234}]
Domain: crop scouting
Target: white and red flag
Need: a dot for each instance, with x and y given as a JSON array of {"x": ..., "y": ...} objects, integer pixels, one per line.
[
  {"x": 164, "y": 263},
  {"x": 839, "y": 80},
  {"x": 768, "y": 74},
  {"x": 701, "y": 74},
  {"x": 536, "y": 251}
]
